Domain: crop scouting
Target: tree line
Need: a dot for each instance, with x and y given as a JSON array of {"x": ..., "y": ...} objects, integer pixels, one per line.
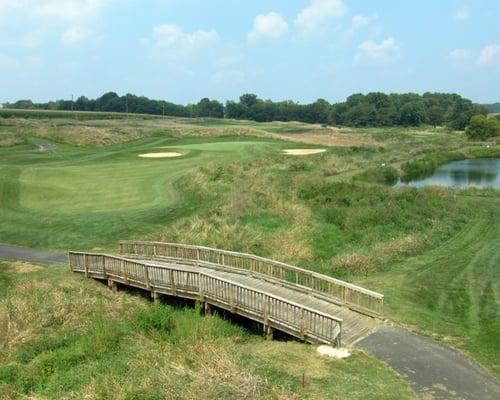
[{"x": 359, "y": 110}]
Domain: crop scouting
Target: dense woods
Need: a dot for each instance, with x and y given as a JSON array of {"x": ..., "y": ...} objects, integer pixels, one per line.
[{"x": 359, "y": 110}]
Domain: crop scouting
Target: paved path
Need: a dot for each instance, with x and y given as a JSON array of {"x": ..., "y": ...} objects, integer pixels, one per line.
[
  {"x": 10, "y": 252},
  {"x": 435, "y": 371}
]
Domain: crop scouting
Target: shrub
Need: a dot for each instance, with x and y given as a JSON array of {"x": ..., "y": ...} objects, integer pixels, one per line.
[
  {"x": 482, "y": 128},
  {"x": 384, "y": 174}
]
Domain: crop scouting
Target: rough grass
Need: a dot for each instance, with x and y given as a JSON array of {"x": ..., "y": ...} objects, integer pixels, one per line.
[{"x": 65, "y": 337}]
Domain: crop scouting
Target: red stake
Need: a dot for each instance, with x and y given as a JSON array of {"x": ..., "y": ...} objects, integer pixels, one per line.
[{"x": 303, "y": 382}]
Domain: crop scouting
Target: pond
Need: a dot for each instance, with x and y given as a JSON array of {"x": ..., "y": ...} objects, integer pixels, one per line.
[{"x": 480, "y": 173}]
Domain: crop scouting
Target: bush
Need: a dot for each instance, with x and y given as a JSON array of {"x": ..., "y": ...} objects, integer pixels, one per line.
[
  {"x": 482, "y": 128},
  {"x": 384, "y": 174}
]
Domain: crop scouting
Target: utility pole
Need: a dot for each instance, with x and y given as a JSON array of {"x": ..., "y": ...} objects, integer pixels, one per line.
[{"x": 126, "y": 103}]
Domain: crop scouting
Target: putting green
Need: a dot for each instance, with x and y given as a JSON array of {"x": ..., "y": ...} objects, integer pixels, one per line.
[{"x": 83, "y": 198}]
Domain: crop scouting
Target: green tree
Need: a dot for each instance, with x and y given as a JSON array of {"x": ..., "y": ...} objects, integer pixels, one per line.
[
  {"x": 412, "y": 114},
  {"x": 482, "y": 128},
  {"x": 435, "y": 115}
]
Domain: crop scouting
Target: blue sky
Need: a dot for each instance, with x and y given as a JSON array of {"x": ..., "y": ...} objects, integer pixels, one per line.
[{"x": 288, "y": 49}]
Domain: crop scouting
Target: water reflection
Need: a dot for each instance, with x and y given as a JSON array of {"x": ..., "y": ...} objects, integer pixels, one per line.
[{"x": 481, "y": 173}]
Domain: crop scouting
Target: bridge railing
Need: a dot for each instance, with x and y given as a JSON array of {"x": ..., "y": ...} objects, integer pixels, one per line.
[
  {"x": 288, "y": 316},
  {"x": 354, "y": 297}
]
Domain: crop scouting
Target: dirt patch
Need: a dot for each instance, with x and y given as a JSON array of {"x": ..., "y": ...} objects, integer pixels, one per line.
[
  {"x": 168, "y": 154},
  {"x": 302, "y": 152}
]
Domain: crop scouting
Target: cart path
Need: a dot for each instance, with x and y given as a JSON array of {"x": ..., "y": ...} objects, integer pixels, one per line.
[
  {"x": 17, "y": 253},
  {"x": 434, "y": 370}
]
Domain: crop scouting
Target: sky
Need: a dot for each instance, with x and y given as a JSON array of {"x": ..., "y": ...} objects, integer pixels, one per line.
[{"x": 302, "y": 50}]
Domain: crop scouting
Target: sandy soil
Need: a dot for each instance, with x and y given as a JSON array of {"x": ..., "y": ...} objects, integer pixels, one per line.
[
  {"x": 302, "y": 152},
  {"x": 168, "y": 154}
]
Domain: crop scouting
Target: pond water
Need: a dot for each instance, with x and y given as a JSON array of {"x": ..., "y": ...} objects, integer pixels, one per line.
[{"x": 481, "y": 173}]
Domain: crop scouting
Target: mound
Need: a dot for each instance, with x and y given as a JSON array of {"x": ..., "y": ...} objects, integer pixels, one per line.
[{"x": 302, "y": 152}]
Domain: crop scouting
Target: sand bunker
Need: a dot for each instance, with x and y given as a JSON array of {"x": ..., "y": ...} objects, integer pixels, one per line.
[
  {"x": 168, "y": 154},
  {"x": 303, "y": 152}
]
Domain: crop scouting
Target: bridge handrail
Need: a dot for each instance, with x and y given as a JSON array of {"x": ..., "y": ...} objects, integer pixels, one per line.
[
  {"x": 102, "y": 264},
  {"x": 355, "y": 297}
]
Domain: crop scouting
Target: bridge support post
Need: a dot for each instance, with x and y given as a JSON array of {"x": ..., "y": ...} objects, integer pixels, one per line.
[
  {"x": 207, "y": 308},
  {"x": 155, "y": 296},
  {"x": 112, "y": 285},
  {"x": 269, "y": 332}
]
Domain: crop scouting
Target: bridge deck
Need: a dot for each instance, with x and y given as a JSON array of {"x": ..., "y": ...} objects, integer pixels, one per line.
[
  {"x": 354, "y": 325},
  {"x": 277, "y": 305}
]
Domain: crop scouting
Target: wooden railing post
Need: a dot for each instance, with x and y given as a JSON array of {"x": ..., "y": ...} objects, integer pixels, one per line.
[
  {"x": 146, "y": 276},
  {"x": 104, "y": 265},
  {"x": 172, "y": 283},
  {"x": 86, "y": 266},
  {"x": 302, "y": 325}
]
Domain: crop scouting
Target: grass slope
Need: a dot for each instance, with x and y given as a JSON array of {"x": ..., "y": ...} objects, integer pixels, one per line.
[
  {"x": 65, "y": 337},
  {"x": 452, "y": 291}
]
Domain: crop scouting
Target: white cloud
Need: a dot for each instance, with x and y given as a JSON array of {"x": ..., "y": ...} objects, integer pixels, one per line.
[
  {"x": 462, "y": 14},
  {"x": 75, "y": 35},
  {"x": 68, "y": 10},
  {"x": 459, "y": 54},
  {"x": 489, "y": 54},
  {"x": 318, "y": 13},
  {"x": 357, "y": 23},
  {"x": 68, "y": 18},
  {"x": 171, "y": 42},
  {"x": 386, "y": 50},
  {"x": 72, "y": 11},
  {"x": 268, "y": 26}
]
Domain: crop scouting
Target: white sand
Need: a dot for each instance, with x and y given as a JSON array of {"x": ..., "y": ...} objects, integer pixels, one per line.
[
  {"x": 169, "y": 154},
  {"x": 333, "y": 352},
  {"x": 303, "y": 152}
]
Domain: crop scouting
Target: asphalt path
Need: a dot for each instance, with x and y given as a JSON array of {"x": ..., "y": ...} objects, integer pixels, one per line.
[
  {"x": 16, "y": 253},
  {"x": 434, "y": 370}
]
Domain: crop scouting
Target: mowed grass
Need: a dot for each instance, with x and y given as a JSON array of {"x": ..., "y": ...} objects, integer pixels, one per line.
[
  {"x": 66, "y": 337},
  {"x": 86, "y": 198},
  {"x": 453, "y": 291}
]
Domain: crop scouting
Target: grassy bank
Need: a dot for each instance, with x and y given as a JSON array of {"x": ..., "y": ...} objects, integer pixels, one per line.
[
  {"x": 451, "y": 292},
  {"x": 65, "y": 337}
]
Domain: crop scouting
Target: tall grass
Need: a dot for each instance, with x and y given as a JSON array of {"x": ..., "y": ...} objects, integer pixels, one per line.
[{"x": 66, "y": 337}]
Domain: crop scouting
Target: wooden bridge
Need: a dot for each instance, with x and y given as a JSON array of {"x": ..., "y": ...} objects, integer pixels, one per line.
[{"x": 310, "y": 306}]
